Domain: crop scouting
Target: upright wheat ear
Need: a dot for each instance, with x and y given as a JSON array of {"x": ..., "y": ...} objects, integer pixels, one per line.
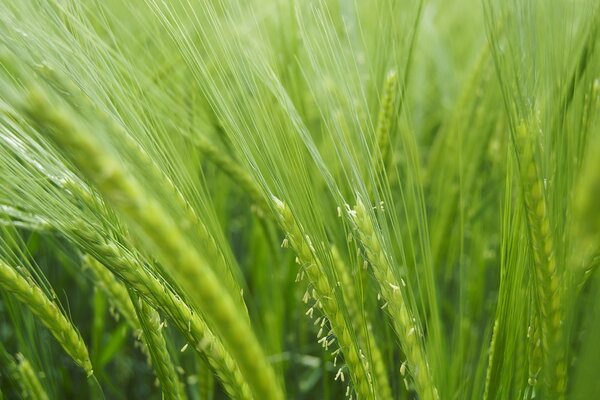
[
  {"x": 30, "y": 294},
  {"x": 547, "y": 281},
  {"x": 325, "y": 297},
  {"x": 188, "y": 268},
  {"x": 385, "y": 121},
  {"x": 28, "y": 380},
  {"x": 362, "y": 325},
  {"x": 405, "y": 325}
]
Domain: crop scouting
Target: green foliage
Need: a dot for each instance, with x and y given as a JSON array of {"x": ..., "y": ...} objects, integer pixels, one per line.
[{"x": 299, "y": 199}]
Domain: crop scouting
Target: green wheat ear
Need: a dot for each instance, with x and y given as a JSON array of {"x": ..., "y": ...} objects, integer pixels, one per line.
[
  {"x": 187, "y": 266},
  {"x": 547, "y": 277},
  {"x": 115, "y": 290},
  {"x": 141, "y": 317},
  {"x": 385, "y": 120},
  {"x": 29, "y": 380},
  {"x": 407, "y": 328},
  {"x": 191, "y": 325},
  {"x": 325, "y": 299},
  {"x": 49, "y": 314},
  {"x": 152, "y": 329},
  {"x": 362, "y": 325}
]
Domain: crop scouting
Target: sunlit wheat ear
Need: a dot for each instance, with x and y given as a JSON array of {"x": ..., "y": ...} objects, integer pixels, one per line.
[
  {"x": 187, "y": 266},
  {"x": 133, "y": 149},
  {"x": 189, "y": 323},
  {"x": 29, "y": 380},
  {"x": 405, "y": 324},
  {"x": 362, "y": 325},
  {"x": 157, "y": 347},
  {"x": 547, "y": 277},
  {"x": 28, "y": 293},
  {"x": 325, "y": 299}
]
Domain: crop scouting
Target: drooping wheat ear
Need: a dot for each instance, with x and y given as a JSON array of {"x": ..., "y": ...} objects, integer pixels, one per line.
[
  {"x": 191, "y": 325},
  {"x": 211, "y": 247},
  {"x": 135, "y": 150},
  {"x": 29, "y": 381},
  {"x": 325, "y": 297},
  {"x": 362, "y": 325},
  {"x": 188, "y": 268},
  {"x": 117, "y": 294},
  {"x": 115, "y": 291},
  {"x": 157, "y": 347},
  {"x": 385, "y": 120},
  {"x": 48, "y": 313},
  {"x": 547, "y": 280},
  {"x": 405, "y": 325}
]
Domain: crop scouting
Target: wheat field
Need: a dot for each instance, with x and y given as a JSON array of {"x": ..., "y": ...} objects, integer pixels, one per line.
[{"x": 299, "y": 199}]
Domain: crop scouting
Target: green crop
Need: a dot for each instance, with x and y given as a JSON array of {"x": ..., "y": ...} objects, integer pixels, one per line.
[{"x": 320, "y": 199}]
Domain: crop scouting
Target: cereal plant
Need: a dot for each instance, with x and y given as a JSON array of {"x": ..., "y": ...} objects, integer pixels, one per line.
[{"x": 299, "y": 199}]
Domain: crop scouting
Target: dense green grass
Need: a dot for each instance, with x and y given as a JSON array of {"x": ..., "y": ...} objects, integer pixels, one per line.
[{"x": 316, "y": 199}]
